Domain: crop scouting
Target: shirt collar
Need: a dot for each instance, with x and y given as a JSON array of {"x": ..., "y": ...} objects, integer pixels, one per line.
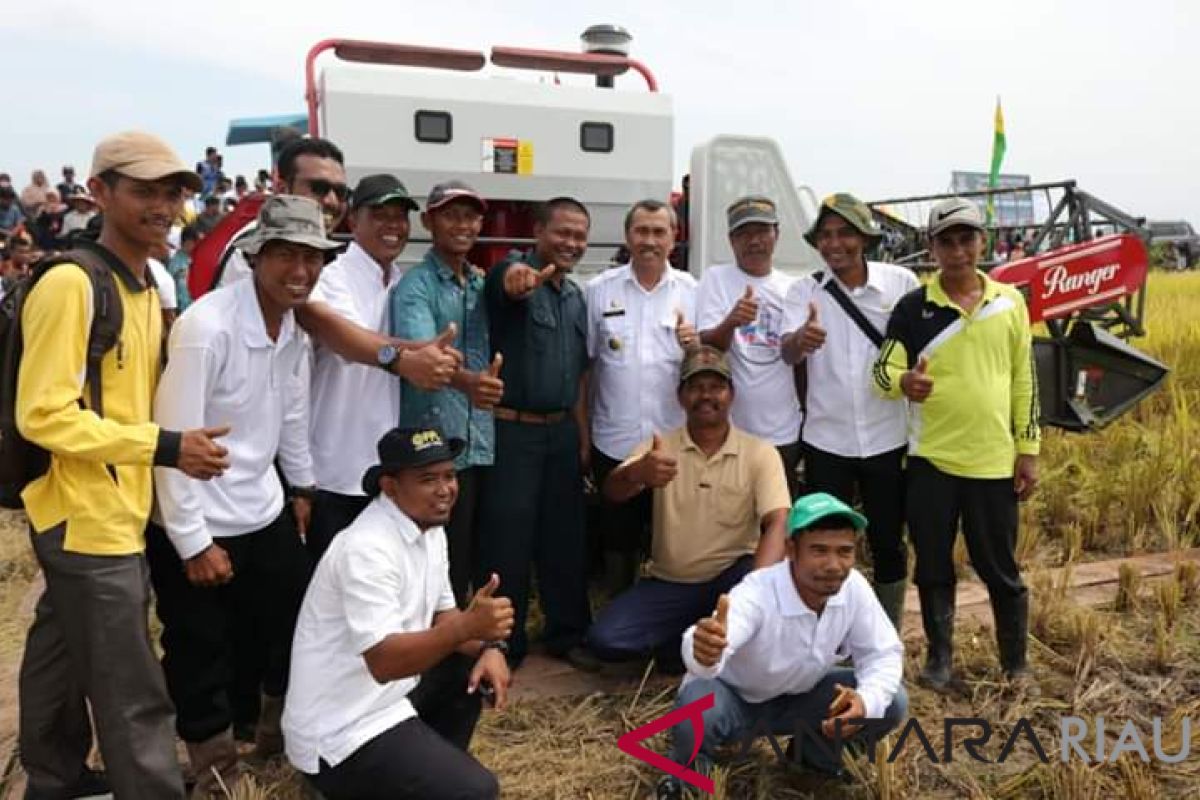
[
  {"x": 874, "y": 281},
  {"x": 531, "y": 258},
  {"x": 445, "y": 272},
  {"x": 732, "y": 445},
  {"x": 666, "y": 280},
  {"x": 124, "y": 273},
  {"x": 361, "y": 260},
  {"x": 404, "y": 525},
  {"x": 937, "y": 295},
  {"x": 788, "y": 599},
  {"x": 250, "y": 318}
]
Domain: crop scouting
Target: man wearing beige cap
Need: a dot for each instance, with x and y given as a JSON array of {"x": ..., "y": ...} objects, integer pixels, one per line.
[{"x": 89, "y": 642}]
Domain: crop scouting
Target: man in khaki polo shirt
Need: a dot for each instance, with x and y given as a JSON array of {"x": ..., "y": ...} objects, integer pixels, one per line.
[{"x": 720, "y": 508}]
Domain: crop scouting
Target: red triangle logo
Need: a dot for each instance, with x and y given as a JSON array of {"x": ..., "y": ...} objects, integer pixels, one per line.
[{"x": 630, "y": 743}]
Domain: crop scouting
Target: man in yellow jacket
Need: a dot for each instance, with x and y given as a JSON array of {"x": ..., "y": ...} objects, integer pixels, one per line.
[
  {"x": 89, "y": 641},
  {"x": 960, "y": 350}
]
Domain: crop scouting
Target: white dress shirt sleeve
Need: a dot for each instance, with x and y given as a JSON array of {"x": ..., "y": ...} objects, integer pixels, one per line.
[
  {"x": 745, "y": 618},
  {"x": 373, "y": 593},
  {"x": 183, "y": 394},
  {"x": 875, "y": 648},
  {"x": 331, "y": 289},
  {"x": 295, "y": 457},
  {"x": 591, "y": 301},
  {"x": 795, "y": 305},
  {"x": 446, "y": 599}
]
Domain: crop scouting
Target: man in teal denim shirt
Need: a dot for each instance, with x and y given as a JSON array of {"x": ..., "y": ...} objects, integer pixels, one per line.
[{"x": 445, "y": 288}]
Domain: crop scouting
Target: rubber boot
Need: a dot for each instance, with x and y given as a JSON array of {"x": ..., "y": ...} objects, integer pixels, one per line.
[
  {"x": 891, "y": 597},
  {"x": 1011, "y": 617},
  {"x": 213, "y": 757},
  {"x": 268, "y": 734},
  {"x": 937, "y": 616}
]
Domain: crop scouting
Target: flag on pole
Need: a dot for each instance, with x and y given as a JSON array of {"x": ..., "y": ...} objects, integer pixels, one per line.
[{"x": 999, "y": 145}]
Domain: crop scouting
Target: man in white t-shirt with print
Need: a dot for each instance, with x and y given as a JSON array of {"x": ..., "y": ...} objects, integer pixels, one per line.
[
  {"x": 854, "y": 440},
  {"x": 739, "y": 309}
]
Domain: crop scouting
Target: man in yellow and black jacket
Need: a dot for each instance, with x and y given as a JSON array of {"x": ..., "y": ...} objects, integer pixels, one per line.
[
  {"x": 960, "y": 350},
  {"x": 89, "y": 640}
]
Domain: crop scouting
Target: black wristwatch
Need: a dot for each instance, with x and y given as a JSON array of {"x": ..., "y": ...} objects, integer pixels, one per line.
[
  {"x": 494, "y": 644},
  {"x": 387, "y": 356}
]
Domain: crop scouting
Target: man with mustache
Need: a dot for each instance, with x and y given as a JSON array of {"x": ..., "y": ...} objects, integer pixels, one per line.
[
  {"x": 739, "y": 309},
  {"x": 853, "y": 440},
  {"x": 769, "y": 654},
  {"x": 230, "y": 555},
  {"x": 640, "y": 320},
  {"x": 445, "y": 288},
  {"x": 532, "y": 497},
  {"x": 720, "y": 503}
]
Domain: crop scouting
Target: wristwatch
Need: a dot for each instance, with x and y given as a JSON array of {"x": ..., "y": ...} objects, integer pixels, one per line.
[
  {"x": 387, "y": 356},
  {"x": 494, "y": 644}
]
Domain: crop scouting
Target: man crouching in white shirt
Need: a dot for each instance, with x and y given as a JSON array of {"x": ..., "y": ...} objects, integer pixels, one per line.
[
  {"x": 387, "y": 673},
  {"x": 769, "y": 654},
  {"x": 231, "y": 566}
]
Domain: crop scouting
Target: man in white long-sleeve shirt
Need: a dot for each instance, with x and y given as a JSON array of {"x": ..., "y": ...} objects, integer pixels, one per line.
[
  {"x": 769, "y": 654},
  {"x": 231, "y": 555}
]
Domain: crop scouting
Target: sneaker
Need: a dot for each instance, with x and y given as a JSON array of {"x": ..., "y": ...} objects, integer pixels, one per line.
[{"x": 668, "y": 788}]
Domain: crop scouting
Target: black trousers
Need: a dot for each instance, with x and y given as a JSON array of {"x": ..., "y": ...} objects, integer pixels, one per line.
[
  {"x": 424, "y": 757},
  {"x": 880, "y": 483},
  {"x": 203, "y": 626},
  {"x": 790, "y": 455},
  {"x": 532, "y": 512},
  {"x": 462, "y": 535},
  {"x": 331, "y": 514},
  {"x": 987, "y": 509},
  {"x": 625, "y": 526}
]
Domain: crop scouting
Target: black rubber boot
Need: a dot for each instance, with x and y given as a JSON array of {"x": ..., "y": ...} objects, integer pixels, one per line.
[
  {"x": 1011, "y": 617},
  {"x": 937, "y": 615}
]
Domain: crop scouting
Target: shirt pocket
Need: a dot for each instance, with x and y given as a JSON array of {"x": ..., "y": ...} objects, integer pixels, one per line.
[
  {"x": 616, "y": 338},
  {"x": 735, "y": 505}
]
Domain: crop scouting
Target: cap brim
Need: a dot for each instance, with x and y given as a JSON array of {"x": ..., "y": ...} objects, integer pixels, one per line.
[
  {"x": 479, "y": 202},
  {"x": 391, "y": 197},
  {"x": 686, "y": 376},
  {"x": 857, "y": 519},
  {"x": 370, "y": 480},
  {"x": 810, "y": 236},
  {"x": 763, "y": 218},
  {"x": 934, "y": 230},
  {"x": 254, "y": 241},
  {"x": 157, "y": 170}
]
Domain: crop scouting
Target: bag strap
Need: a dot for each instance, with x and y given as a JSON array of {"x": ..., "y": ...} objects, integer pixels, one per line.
[{"x": 852, "y": 310}]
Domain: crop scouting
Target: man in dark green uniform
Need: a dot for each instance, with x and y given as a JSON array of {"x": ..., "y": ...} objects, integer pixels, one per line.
[{"x": 532, "y": 508}]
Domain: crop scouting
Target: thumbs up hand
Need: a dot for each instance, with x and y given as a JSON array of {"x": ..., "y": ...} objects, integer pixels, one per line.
[
  {"x": 812, "y": 335},
  {"x": 685, "y": 332},
  {"x": 521, "y": 280},
  {"x": 657, "y": 468},
  {"x": 709, "y": 639},
  {"x": 745, "y": 311},
  {"x": 917, "y": 383},
  {"x": 489, "y": 617},
  {"x": 486, "y": 388}
]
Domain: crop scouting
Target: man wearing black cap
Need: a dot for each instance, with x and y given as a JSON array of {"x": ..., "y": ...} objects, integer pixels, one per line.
[
  {"x": 720, "y": 503},
  {"x": 533, "y": 495},
  {"x": 854, "y": 440},
  {"x": 443, "y": 289},
  {"x": 387, "y": 673},
  {"x": 739, "y": 309}
]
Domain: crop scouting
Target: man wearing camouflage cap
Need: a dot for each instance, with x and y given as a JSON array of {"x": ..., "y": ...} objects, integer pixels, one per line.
[
  {"x": 739, "y": 309},
  {"x": 720, "y": 504},
  {"x": 853, "y": 440},
  {"x": 230, "y": 555}
]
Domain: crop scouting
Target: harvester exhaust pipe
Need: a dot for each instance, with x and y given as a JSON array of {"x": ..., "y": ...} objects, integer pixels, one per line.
[{"x": 612, "y": 40}]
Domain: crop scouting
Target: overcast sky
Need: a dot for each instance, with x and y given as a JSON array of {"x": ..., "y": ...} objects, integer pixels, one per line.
[{"x": 879, "y": 98}]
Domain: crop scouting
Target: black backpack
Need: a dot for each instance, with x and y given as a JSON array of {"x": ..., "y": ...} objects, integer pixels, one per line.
[{"x": 22, "y": 461}]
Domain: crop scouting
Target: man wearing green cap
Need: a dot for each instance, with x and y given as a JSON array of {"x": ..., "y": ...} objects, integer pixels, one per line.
[
  {"x": 230, "y": 556},
  {"x": 960, "y": 350},
  {"x": 719, "y": 507},
  {"x": 853, "y": 440},
  {"x": 444, "y": 288},
  {"x": 769, "y": 653},
  {"x": 740, "y": 309}
]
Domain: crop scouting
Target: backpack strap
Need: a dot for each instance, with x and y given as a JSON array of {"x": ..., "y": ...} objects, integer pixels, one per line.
[{"x": 852, "y": 311}]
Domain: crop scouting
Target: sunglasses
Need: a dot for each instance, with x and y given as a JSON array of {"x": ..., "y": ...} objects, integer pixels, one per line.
[{"x": 321, "y": 187}]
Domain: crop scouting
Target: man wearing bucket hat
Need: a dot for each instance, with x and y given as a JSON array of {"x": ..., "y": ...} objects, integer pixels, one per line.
[
  {"x": 960, "y": 350},
  {"x": 740, "y": 309},
  {"x": 229, "y": 555},
  {"x": 387, "y": 673},
  {"x": 720, "y": 503},
  {"x": 748, "y": 653},
  {"x": 89, "y": 643},
  {"x": 853, "y": 440}
]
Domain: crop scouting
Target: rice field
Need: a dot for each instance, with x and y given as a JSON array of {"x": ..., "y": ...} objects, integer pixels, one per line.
[{"x": 1130, "y": 489}]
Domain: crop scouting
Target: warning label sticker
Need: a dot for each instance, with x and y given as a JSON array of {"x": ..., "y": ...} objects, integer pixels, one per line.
[{"x": 506, "y": 156}]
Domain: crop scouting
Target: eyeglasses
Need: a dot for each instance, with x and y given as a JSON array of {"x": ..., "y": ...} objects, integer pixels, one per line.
[{"x": 321, "y": 187}]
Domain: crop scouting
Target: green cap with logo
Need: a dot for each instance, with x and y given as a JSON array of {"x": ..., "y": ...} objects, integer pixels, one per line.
[
  {"x": 288, "y": 218},
  {"x": 851, "y": 209},
  {"x": 819, "y": 505}
]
